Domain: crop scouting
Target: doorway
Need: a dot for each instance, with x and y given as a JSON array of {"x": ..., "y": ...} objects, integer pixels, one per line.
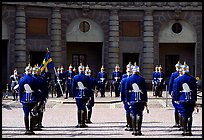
[
  {"x": 87, "y": 53},
  {"x": 36, "y": 57},
  {"x": 4, "y": 63},
  {"x": 129, "y": 57}
]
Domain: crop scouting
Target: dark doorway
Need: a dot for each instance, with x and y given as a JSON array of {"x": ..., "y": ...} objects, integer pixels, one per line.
[
  {"x": 36, "y": 57},
  {"x": 88, "y": 53},
  {"x": 181, "y": 51},
  {"x": 130, "y": 57},
  {"x": 170, "y": 61},
  {"x": 4, "y": 63}
]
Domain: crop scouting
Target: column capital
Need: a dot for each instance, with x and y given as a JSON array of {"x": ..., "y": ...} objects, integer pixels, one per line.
[{"x": 20, "y": 7}]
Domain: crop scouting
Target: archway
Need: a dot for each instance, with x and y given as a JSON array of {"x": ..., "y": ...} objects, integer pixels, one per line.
[
  {"x": 85, "y": 44},
  {"x": 177, "y": 41}
]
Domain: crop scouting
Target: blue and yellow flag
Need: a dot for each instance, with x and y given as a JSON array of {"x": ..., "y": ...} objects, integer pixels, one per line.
[{"x": 47, "y": 63}]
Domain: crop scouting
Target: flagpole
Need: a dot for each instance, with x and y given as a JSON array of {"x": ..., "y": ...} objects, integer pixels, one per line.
[{"x": 56, "y": 75}]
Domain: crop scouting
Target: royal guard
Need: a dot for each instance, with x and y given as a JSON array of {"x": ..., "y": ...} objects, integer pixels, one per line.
[
  {"x": 58, "y": 83},
  {"x": 69, "y": 76},
  {"x": 62, "y": 76},
  {"x": 14, "y": 84},
  {"x": 122, "y": 95},
  {"x": 173, "y": 76},
  {"x": 136, "y": 97},
  {"x": 81, "y": 92},
  {"x": 116, "y": 79},
  {"x": 90, "y": 103},
  {"x": 154, "y": 79},
  {"x": 28, "y": 88},
  {"x": 102, "y": 81},
  {"x": 160, "y": 78},
  {"x": 185, "y": 95},
  {"x": 42, "y": 93}
]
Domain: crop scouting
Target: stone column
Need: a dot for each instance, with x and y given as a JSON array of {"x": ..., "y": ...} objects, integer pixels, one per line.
[
  {"x": 56, "y": 47},
  {"x": 148, "y": 50},
  {"x": 20, "y": 40},
  {"x": 113, "y": 50}
]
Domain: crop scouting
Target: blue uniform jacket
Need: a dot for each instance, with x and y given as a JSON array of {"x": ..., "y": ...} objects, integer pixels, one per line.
[
  {"x": 34, "y": 85},
  {"x": 93, "y": 84},
  {"x": 122, "y": 88},
  {"x": 102, "y": 75},
  {"x": 133, "y": 97},
  {"x": 116, "y": 76},
  {"x": 81, "y": 93},
  {"x": 43, "y": 87},
  {"x": 171, "y": 81},
  {"x": 177, "y": 88},
  {"x": 160, "y": 75},
  {"x": 70, "y": 76},
  {"x": 154, "y": 77}
]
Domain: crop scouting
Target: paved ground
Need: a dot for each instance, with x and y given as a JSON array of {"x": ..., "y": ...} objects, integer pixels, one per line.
[{"x": 108, "y": 119}]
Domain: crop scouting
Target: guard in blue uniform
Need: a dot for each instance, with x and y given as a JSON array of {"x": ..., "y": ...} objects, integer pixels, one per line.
[
  {"x": 28, "y": 88},
  {"x": 185, "y": 94},
  {"x": 116, "y": 79},
  {"x": 42, "y": 97},
  {"x": 58, "y": 83},
  {"x": 136, "y": 97},
  {"x": 173, "y": 76},
  {"x": 102, "y": 81},
  {"x": 154, "y": 79},
  {"x": 14, "y": 82},
  {"x": 90, "y": 103},
  {"x": 160, "y": 82},
  {"x": 69, "y": 76},
  {"x": 122, "y": 95},
  {"x": 81, "y": 92},
  {"x": 62, "y": 76}
]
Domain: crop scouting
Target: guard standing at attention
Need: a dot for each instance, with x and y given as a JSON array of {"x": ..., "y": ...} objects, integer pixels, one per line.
[
  {"x": 81, "y": 92},
  {"x": 69, "y": 76},
  {"x": 90, "y": 103},
  {"x": 185, "y": 95},
  {"x": 173, "y": 76},
  {"x": 102, "y": 81},
  {"x": 116, "y": 79},
  {"x": 14, "y": 82},
  {"x": 28, "y": 88},
  {"x": 122, "y": 95},
  {"x": 136, "y": 97}
]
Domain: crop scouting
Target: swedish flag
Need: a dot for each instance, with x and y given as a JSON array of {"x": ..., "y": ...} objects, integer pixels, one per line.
[{"x": 47, "y": 63}]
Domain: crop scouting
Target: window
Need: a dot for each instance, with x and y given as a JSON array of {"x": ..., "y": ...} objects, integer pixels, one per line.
[
  {"x": 176, "y": 28},
  {"x": 77, "y": 59},
  {"x": 84, "y": 26},
  {"x": 129, "y": 28},
  {"x": 37, "y": 26}
]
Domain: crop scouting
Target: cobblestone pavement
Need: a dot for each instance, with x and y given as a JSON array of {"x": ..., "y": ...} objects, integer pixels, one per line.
[{"x": 108, "y": 119}]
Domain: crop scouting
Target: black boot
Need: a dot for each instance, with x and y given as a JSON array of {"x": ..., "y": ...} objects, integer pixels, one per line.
[
  {"x": 66, "y": 96},
  {"x": 185, "y": 120},
  {"x": 189, "y": 126},
  {"x": 31, "y": 125},
  {"x": 134, "y": 125},
  {"x": 89, "y": 116},
  {"x": 181, "y": 122},
  {"x": 40, "y": 119},
  {"x": 176, "y": 115},
  {"x": 128, "y": 119},
  {"x": 139, "y": 133},
  {"x": 79, "y": 118},
  {"x": 26, "y": 121},
  {"x": 83, "y": 117}
]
